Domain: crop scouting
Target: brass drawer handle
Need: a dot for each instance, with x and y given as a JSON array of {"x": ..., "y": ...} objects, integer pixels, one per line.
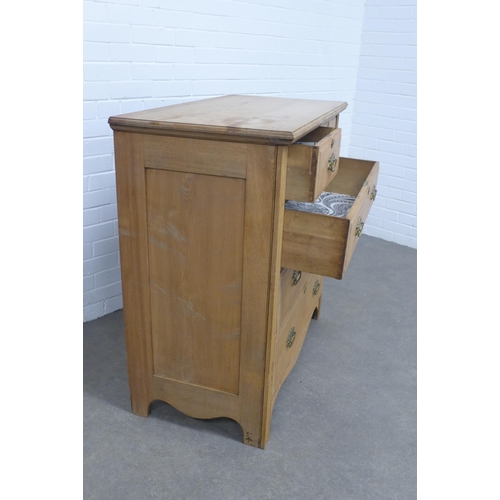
[
  {"x": 332, "y": 162},
  {"x": 359, "y": 227},
  {"x": 316, "y": 287},
  {"x": 373, "y": 195},
  {"x": 291, "y": 337},
  {"x": 296, "y": 277}
]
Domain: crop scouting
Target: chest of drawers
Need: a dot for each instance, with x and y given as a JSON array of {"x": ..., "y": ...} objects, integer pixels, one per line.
[{"x": 220, "y": 280}]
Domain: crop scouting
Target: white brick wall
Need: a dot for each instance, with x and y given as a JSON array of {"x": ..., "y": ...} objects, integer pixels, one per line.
[
  {"x": 385, "y": 116},
  {"x": 146, "y": 53}
]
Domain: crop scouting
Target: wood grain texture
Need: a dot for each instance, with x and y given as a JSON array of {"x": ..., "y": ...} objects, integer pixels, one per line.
[
  {"x": 196, "y": 401},
  {"x": 328, "y": 147},
  {"x": 195, "y": 254},
  {"x": 351, "y": 176},
  {"x": 314, "y": 243},
  {"x": 132, "y": 226},
  {"x": 362, "y": 205},
  {"x": 203, "y": 232},
  {"x": 272, "y": 120},
  {"x": 302, "y": 167},
  {"x": 274, "y": 290},
  {"x": 195, "y": 156},
  {"x": 260, "y": 245}
]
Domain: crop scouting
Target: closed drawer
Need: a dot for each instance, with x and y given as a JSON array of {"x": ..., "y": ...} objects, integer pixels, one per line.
[
  {"x": 323, "y": 244},
  {"x": 312, "y": 164},
  {"x": 292, "y": 284},
  {"x": 291, "y": 336}
]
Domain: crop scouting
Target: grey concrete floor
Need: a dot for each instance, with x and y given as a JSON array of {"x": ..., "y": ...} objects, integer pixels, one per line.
[{"x": 344, "y": 422}]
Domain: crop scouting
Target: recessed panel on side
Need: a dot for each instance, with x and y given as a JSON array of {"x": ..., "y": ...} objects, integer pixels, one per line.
[{"x": 195, "y": 239}]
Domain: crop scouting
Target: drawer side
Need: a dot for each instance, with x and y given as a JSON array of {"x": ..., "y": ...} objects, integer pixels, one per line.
[{"x": 312, "y": 164}]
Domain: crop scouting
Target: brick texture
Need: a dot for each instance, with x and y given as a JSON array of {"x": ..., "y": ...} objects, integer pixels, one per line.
[{"x": 385, "y": 119}]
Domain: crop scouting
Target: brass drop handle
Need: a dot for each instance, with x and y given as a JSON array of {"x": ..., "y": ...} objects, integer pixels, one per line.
[
  {"x": 359, "y": 227},
  {"x": 296, "y": 277},
  {"x": 332, "y": 162},
  {"x": 373, "y": 195},
  {"x": 291, "y": 337},
  {"x": 316, "y": 287}
]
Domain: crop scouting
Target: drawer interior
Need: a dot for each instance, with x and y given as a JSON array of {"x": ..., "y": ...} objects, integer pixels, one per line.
[
  {"x": 351, "y": 177},
  {"x": 316, "y": 136}
]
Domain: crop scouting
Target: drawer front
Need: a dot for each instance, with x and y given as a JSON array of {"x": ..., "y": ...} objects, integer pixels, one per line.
[
  {"x": 293, "y": 331},
  {"x": 312, "y": 164},
  {"x": 292, "y": 284},
  {"x": 324, "y": 244}
]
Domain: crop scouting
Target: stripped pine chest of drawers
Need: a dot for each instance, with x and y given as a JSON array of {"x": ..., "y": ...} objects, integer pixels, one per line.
[{"x": 225, "y": 236}]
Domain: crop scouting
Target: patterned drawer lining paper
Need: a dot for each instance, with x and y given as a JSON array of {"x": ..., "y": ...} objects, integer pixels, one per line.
[{"x": 327, "y": 204}]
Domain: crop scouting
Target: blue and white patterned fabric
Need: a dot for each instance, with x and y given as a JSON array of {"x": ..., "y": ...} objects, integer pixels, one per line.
[{"x": 333, "y": 204}]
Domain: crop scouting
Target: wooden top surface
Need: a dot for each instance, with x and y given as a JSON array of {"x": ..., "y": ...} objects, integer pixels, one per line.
[{"x": 273, "y": 120}]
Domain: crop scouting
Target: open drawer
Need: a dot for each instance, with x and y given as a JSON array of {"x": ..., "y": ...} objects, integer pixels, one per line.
[
  {"x": 314, "y": 242},
  {"x": 312, "y": 164}
]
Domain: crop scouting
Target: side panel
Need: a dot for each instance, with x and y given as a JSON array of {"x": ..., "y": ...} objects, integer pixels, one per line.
[
  {"x": 200, "y": 257},
  {"x": 195, "y": 238}
]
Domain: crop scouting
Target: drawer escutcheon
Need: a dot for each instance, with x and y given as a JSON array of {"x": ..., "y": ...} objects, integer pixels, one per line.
[
  {"x": 291, "y": 337},
  {"x": 359, "y": 227},
  {"x": 296, "y": 277},
  {"x": 332, "y": 162}
]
